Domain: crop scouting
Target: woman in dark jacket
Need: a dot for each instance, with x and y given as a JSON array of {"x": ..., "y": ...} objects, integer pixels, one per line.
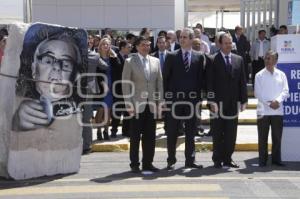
[{"x": 107, "y": 73}]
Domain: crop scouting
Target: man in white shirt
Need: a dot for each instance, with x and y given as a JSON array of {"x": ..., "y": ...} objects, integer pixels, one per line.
[
  {"x": 203, "y": 36},
  {"x": 271, "y": 89},
  {"x": 258, "y": 51},
  {"x": 200, "y": 45}
]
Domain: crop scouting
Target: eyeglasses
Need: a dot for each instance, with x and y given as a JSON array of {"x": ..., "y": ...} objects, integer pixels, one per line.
[{"x": 66, "y": 65}]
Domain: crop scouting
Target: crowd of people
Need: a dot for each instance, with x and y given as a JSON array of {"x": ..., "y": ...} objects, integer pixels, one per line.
[
  {"x": 171, "y": 78},
  {"x": 140, "y": 81}
]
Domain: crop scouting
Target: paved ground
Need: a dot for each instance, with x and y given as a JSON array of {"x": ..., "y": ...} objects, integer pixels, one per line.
[
  {"x": 246, "y": 140},
  {"x": 246, "y": 137},
  {"x": 106, "y": 175}
]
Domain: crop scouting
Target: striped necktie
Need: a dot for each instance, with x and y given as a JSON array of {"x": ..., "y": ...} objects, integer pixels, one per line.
[{"x": 186, "y": 61}]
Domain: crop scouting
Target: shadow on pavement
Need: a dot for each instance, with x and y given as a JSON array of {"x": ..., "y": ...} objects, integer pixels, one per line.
[{"x": 10, "y": 183}]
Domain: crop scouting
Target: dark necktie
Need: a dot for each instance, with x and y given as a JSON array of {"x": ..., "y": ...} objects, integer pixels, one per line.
[
  {"x": 186, "y": 61},
  {"x": 228, "y": 65},
  {"x": 162, "y": 60}
]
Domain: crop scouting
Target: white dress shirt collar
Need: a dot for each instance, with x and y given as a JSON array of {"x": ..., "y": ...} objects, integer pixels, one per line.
[
  {"x": 223, "y": 55},
  {"x": 142, "y": 57}
]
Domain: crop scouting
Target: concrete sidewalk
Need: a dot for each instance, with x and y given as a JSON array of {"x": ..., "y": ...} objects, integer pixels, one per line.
[{"x": 246, "y": 141}]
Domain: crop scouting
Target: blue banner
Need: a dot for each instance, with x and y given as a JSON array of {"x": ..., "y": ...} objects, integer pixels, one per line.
[{"x": 292, "y": 104}]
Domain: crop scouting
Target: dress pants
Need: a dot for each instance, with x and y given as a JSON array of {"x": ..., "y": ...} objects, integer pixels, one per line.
[
  {"x": 173, "y": 124},
  {"x": 142, "y": 124},
  {"x": 263, "y": 126},
  {"x": 87, "y": 129},
  {"x": 224, "y": 132},
  {"x": 116, "y": 121}
]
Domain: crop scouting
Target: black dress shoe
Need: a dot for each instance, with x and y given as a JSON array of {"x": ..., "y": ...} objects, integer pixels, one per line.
[
  {"x": 279, "y": 164},
  {"x": 170, "y": 166},
  {"x": 262, "y": 164},
  {"x": 150, "y": 168},
  {"x": 99, "y": 135},
  {"x": 193, "y": 165},
  {"x": 113, "y": 134},
  {"x": 135, "y": 169},
  {"x": 217, "y": 165},
  {"x": 125, "y": 135},
  {"x": 105, "y": 134},
  {"x": 86, "y": 151},
  {"x": 231, "y": 164}
]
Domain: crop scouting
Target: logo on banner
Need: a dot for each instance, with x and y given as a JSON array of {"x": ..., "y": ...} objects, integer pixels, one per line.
[{"x": 287, "y": 47}]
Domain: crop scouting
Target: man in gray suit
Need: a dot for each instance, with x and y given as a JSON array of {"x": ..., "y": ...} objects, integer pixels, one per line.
[{"x": 143, "y": 98}]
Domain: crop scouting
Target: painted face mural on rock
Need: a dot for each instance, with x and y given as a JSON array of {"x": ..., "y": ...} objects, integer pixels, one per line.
[{"x": 45, "y": 135}]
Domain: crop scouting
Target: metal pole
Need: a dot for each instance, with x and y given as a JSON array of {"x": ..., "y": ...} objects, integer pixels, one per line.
[
  {"x": 248, "y": 20},
  {"x": 242, "y": 3},
  {"x": 186, "y": 13},
  {"x": 27, "y": 11},
  {"x": 217, "y": 18},
  {"x": 271, "y": 13},
  {"x": 259, "y": 14},
  {"x": 265, "y": 15},
  {"x": 253, "y": 21},
  {"x": 222, "y": 17},
  {"x": 276, "y": 15}
]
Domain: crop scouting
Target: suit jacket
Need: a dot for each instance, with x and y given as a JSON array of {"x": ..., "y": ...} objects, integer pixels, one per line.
[
  {"x": 153, "y": 88},
  {"x": 225, "y": 87},
  {"x": 176, "y": 47},
  {"x": 96, "y": 65},
  {"x": 242, "y": 45},
  {"x": 156, "y": 54},
  {"x": 176, "y": 79}
]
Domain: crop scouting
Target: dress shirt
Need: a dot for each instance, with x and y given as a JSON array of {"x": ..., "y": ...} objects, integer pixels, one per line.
[
  {"x": 206, "y": 39},
  {"x": 172, "y": 46},
  {"x": 269, "y": 87},
  {"x": 237, "y": 37},
  {"x": 229, "y": 55},
  {"x": 160, "y": 53},
  {"x": 204, "y": 47},
  {"x": 190, "y": 55},
  {"x": 164, "y": 52},
  {"x": 146, "y": 66}
]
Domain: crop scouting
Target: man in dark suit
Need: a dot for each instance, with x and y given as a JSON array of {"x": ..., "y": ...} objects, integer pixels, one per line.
[
  {"x": 125, "y": 48},
  {"x": 183, "y": 80},
  {"x": 162, "y": 51},
  {"x": 227, "y": 95},
  {"x": 243, "y": 47},
  {"x": 161, "y": 54}
]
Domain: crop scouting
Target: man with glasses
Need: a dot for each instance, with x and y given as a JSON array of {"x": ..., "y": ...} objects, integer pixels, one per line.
[
  {"x": 53, "y": 72},
  {"x": 46, "y": 135}
]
